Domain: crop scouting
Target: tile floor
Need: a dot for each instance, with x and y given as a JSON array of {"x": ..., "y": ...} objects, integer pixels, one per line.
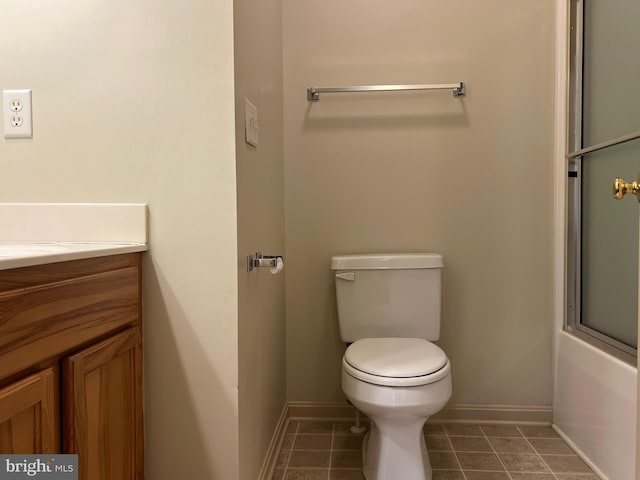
[{"x": 329, "y": 451}]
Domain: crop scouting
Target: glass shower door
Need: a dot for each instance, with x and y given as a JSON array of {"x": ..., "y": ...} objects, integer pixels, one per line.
[
  {"x": 609, "y": 286},
  {"x": 603, "y": 293}
]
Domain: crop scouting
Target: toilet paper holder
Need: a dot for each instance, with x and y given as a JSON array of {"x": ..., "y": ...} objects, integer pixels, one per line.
[{"x": 259, "y": 260}]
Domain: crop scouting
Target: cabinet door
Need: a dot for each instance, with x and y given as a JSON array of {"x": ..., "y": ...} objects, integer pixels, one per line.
[
  {"x": 102, "y": 408},
  {"x": 29, "y": 415}
]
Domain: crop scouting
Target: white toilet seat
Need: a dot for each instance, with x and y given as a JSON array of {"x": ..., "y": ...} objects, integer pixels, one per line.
[{"x": 396, "y": 362}]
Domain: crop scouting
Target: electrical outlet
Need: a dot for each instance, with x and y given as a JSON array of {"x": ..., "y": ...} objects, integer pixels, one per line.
[
  {"x": 16, "y": 105},
  {"x": 16, "y": 113}
]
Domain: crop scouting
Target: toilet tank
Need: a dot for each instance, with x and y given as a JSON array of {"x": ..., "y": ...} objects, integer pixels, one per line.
[{"x": 388, "y": 295}]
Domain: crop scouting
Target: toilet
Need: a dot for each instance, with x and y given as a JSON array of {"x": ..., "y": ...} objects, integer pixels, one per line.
[{"x": 389, "y": 313}]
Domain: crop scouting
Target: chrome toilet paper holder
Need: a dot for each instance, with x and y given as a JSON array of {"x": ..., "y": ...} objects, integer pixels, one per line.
[{"x": 259, "y": 260}]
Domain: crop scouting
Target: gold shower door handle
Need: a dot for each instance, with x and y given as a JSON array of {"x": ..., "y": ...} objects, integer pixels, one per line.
[{"x": 621, "y": 188}]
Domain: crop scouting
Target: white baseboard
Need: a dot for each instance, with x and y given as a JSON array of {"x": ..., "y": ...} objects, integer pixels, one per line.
[
  {"x": 494, "y": 414},
  {"x": 271, "y": 457},
  {"x": 476, "y": 414}
]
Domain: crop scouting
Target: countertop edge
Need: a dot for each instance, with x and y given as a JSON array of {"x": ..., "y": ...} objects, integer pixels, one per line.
[{"x": 87, "y": 251}]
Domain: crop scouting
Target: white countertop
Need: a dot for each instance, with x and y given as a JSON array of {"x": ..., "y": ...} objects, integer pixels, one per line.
[
  {"x": 18, "y": 255},
  {"x": 41, "y": 233}
]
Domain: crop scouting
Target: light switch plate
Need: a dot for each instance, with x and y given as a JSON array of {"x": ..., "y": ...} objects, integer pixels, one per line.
[
  {"x": 250, "y": 123},
  {"x": 16, "y": 113}
]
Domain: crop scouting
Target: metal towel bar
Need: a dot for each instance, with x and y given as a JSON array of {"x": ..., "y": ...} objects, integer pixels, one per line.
[{"x": 458, "y": 89}]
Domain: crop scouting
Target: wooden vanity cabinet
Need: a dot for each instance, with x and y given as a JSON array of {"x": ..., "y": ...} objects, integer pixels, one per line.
[
  {"x": 71, "y": 364},
  {"x": 103, "y": 399},
  {"x": 30, "y": 415}
]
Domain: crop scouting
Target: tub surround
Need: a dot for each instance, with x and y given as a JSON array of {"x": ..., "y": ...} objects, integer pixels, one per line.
[
  {"x": 595, "y": 406},
  {"x": 41, "y": 233}
]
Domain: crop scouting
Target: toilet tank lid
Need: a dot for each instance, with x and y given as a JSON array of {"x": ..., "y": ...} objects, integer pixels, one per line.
[{"x": 388, "y": 261}]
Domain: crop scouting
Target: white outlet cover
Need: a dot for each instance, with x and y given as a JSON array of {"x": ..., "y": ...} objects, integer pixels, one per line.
[
  {"x": 16, "y": 113},
  {"x": 250, "y": 123}
]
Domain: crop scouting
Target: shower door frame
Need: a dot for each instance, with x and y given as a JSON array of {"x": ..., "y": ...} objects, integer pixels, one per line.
[
  {"x": 589, "y": 410},
  {"x": 574, "y": 200}
]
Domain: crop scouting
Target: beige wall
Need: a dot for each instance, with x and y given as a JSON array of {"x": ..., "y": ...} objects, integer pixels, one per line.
[
  {"x": 133, "y": 102},
  {"x": 470, "y": 178},
  {"x": 260, "y": 178}
]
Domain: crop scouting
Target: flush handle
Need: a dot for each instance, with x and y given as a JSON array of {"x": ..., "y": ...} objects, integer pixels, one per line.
[{"x": 348, "y": 276}]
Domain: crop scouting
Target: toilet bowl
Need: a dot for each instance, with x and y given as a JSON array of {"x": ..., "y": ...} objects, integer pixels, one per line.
[{"x": 398, "y": 383}]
